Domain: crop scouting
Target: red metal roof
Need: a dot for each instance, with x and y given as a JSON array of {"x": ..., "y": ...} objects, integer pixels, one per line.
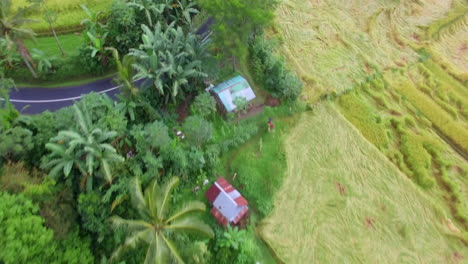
[
  {"x": 217, "y": 214},
  {"x": 240, "y": 215},
  {"x": 240, "y": 201},
  {"x": 225, "y": 185},
  {"x": 212, "y": 193}
]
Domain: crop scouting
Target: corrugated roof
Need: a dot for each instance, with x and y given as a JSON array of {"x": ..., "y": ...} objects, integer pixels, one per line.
[
  {"x": 212, "y": 193},
  {"x": 229, "y": 90},
  {"x": 227, "y": 200}
]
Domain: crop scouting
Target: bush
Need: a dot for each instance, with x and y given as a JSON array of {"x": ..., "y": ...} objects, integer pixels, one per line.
[
  {"x": 16, "y": 143},
  {"x": 272, "y": 71},
  {"x": 24, "y": 238},
  {"x": 89, "y": 64},
  {"x": 124, "y": 31},
  {"x": 197, "y": 130},
  {"x": 204, "y": 105},
  {"x": 94, "y": 214}
]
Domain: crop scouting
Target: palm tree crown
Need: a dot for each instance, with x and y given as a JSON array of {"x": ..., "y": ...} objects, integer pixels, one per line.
[
  {"x": 13, "y": 31},
  {"x": 156, "y": 225}
]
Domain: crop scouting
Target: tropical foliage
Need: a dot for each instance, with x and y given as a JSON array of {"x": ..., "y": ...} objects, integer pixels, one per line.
[
  {"x": 158, "y": 222},
  {"x": 170, "y": 60},
  {"x": 12, "y": 29},
  {"x": 87, "y": 150}
]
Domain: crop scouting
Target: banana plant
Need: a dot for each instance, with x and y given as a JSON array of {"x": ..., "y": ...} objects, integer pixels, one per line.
[{"x": 86, "y": 149}]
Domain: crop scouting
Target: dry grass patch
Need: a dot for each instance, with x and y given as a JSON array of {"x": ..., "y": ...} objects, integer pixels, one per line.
[
  {"x": 338, "y": 43},
  {"x": 343, "y": 202}
]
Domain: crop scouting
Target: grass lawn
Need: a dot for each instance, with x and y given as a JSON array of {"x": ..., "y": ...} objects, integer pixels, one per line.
[
  {"x": 342, "y": 201},
  {"x": 70, "y": 14},
  {"x": 70, "y": 43}
]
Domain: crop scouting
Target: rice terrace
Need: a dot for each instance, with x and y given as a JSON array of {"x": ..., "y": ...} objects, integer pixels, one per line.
[{"x": 234, "y": 131}]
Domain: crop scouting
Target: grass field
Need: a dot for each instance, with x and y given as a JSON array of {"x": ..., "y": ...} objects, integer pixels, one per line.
[
  {"x": 343, "y": 202},
  {"x": 69, "y": 11},
  {"x": 335, "y": 45},
  {"x": 70, "y": 43}
]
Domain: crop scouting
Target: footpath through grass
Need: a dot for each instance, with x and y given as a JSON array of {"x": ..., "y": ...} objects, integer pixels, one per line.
[{"x": 343, "y": 202}]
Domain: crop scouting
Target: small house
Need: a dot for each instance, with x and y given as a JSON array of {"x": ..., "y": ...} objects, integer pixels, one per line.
[
  {"x": 229, "y": 206},
  {"x": 226, "y": 92}
]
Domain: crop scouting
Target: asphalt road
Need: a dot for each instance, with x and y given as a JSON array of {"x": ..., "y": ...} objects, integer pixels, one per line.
[{"x": 39, "y": 99}]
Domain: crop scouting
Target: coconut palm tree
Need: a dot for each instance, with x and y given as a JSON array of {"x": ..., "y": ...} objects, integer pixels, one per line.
[
  {"x": 156, "y": 226},
  {"x": 87, "y": 148},
  {"x": 13, "y": 31}
]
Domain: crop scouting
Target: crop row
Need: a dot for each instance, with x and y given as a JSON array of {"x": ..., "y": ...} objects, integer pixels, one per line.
[{"x": 452, "y": 130}]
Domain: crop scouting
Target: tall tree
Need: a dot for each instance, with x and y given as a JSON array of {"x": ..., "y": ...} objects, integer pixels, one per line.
[
  {"x": 12, "y": 29},
  {"x": 236, "y": 21},
  {"x": 50, "y": 16},
  {"x": 156, "y": 227}
]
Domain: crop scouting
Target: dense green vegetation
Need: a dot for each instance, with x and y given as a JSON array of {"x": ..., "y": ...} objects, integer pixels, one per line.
[
  {"x": 77, "y": 175},
  {"x": 122, "y": 180}
]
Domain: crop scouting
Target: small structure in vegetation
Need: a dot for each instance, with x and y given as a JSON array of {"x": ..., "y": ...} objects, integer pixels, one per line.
[
  {"x": 229, "y": 206},
  {"x": 226, "y": 92}
]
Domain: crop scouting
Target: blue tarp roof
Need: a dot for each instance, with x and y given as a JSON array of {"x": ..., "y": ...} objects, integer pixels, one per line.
[{"x": 231, "y": 89}]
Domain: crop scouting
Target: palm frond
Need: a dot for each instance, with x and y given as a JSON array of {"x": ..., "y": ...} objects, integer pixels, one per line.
[
  {"x": 172, "y": 249},
  {"x": 166, "y": 192},
  {"x": 192, "y": 225},
  {"x": 194, "y": 206}
]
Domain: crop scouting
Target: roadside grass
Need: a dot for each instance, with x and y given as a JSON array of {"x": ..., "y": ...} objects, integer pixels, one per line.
[
  {"x": 75, "y": 81},
  {"x": 70, "y": 14},
  {"x": 70, "y": 43},
  {"x": 342, "y": 201}
]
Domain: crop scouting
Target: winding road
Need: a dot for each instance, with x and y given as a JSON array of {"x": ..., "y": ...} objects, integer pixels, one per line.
[{"x": 39, "y": 99}]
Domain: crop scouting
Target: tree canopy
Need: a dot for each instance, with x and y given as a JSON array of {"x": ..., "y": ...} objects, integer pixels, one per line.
[{"x": 237, "y": 20}]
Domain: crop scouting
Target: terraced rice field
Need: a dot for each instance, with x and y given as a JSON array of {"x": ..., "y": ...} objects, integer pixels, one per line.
[
  {"x": 398, "y": 72},
  {"x": 344, "y": 202},
  {"x": 70, "y": 14}
]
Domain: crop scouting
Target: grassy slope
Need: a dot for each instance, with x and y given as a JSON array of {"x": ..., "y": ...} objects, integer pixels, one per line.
[
  {"x": 69, "y": 11},
  {"x": 380, "y": 216},
  {"x": 70, "y": 43}
]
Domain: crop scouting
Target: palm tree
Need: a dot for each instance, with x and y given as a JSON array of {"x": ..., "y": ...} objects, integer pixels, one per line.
[
  {"x": 156, "y": 227},
  {"x": 87, "y": 148},
  {"x": 51, "y": 16},
  {"x": 12, "y": 29}
]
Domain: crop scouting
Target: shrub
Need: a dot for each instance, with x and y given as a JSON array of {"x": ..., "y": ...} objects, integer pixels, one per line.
[
  {"x": 197, "y": 130},
  {"x": 24, "y": 238},
  {"x": 16, "y": 143},
  {"x": 272, "y": 71},
  {"x": 204, "y": 105},
  {"x": 124, "y": 31},
  {"x": 89, "y": 64},
  {"x": 94, "y": 214}
]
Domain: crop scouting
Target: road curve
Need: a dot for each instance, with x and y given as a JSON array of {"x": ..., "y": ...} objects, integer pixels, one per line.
[{"x": 38, "y": 99}]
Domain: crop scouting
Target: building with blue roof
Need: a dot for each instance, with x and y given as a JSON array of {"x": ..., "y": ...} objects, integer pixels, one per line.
[{"x": 228, "y": 91}]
